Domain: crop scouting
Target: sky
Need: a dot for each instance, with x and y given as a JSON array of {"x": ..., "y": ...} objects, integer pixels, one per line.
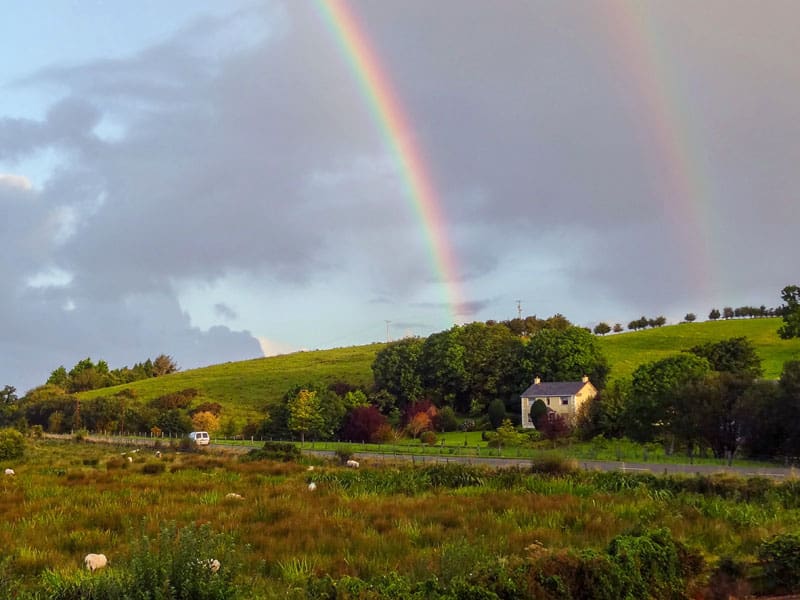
[{"x": 215, "y": 182}]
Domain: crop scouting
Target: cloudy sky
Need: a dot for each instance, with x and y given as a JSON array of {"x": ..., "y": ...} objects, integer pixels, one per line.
[{"x": 209, "y": 179}]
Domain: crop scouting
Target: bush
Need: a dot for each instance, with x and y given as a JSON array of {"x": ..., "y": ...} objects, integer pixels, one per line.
[
  {"x": 285, "y": 451},
  {"x": 36, "y": 432},
  {"x": 80, "y": 435},
  {"x": 12, "y": 444},
  {"x": 780, "y": 559},
  {"x": 428, "y": 438},
  {"x": 154, "y": 468}
]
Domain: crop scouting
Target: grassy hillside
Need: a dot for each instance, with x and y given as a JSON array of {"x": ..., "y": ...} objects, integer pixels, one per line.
[
  {"x": 626, "y": 351},
  {"x": 244, "y": 388}
]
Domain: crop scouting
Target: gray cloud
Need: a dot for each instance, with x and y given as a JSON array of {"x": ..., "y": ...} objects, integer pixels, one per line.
[{"x": 244, "y": 146}]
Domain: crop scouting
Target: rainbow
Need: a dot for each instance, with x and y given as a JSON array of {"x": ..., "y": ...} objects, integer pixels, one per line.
[
  {"x": 670, "y": 139},
  {"x": 393, "y": 122}
]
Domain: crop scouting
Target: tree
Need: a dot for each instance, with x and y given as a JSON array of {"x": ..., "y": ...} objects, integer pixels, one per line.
[
  {"x": 707, "y": 411},
  {"x": 164, "y": 365},
  {"x": 714, "y": 314},
  {"x": 650, "y": 409},
  {"x": 553, "y": 426},
  {"x": 497, "y": 412},
  {"x": 205, "y": 421},
  {"x": 602, "y": 328},
  {"x": 690, "y": 317},
  {"x": 790, "y": 312},
  {"x": 362, "y": 424},
  {"x": 617, "y": 327},
  {"x": 727, "y": 313},
  {"x": 396, "y": 370},
  {"x": 443, "y": 369},
  {"x": 564, "y": 355},
  {"x": 604, "y": 414},
  {"x": 419, "y": 422},
  {"x": 304, "y": 414},
  {"x": 734, "y": 355}
]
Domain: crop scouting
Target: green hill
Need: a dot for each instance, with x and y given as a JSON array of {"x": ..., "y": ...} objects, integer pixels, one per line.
[
  {"x": 244, "y": 388},
  {"x": 626, "y": 351}
]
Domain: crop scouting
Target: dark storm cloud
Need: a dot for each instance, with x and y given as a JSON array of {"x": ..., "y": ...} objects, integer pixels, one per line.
[{"x": 244, "y": 145}]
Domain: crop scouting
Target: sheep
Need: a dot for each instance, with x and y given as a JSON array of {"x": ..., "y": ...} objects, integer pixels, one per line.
[
  {"x": 353, "y": 464},
  {"x": 212, "y": 564},
  {"x": 130, "y": 459},
  {"x": 158, "y": 453},
  {"x": 311, "y": 468},
  {"x": 94, "y": 562},
  {"x": 234, "y": 496},
  {"x": 10, "y": 472},
  {"x": 312, "y": 486}
]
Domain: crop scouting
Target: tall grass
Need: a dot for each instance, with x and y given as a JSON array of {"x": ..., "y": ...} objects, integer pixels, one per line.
[{"x": 432, "y": 520}]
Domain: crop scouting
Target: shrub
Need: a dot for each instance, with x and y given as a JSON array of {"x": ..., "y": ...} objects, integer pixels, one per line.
[
  {"x": 496, "y": 412},
  {"x": 12, "y": 444},
  {"x": 116, "y": 462},
  {"x": 284, "y": 451},
  {"x": 344, "y": 453},
  {"x": 37, "y": 432},
  {"x": 780, "y": 559},
  {"x": 154, "y": 468},
  {"x": 80, "y": 435},
  {"x": 554, "y": 465},
  {"x": 428, "y": 438}
]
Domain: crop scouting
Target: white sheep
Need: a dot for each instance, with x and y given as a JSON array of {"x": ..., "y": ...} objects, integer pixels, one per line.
[
  {"x": 158, "y": 453},
  {"x": 234, "y": 496},
  {"x": 10, "y": 472},
  {"x": 312, "y": 486},
  {"x": 212, "y": 564},
  {"x": 311, "y": 468},
  {"x": 94, "y": 562},
  {"x": 130, "y": 459},
  {"x": 353, "y": 464}
]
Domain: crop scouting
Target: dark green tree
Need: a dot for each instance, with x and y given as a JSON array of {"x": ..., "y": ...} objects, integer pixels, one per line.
[
  {"x": 714, "y": 314},
  {"x": 564, "y": 355},
  {"x": 497, "y": 412},
  {"x": 443, "y": 369},
  {"x": 396, "y": 369},
  {"x": 790, "y": 312},
  {"x": 602, "y": 328},
  {"x": 650, "y": 409},
  {"x": 734, "y": 355},
  {"x": 690, "y": 318}
]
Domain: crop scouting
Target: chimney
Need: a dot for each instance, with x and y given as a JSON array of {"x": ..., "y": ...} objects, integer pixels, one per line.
[
  {"x": 536, "y": 381},
  {"x": 585, "y": 379}
]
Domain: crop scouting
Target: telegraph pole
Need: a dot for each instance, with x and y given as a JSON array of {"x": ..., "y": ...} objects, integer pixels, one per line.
[
  {"x": 387, "y": 331},
  {"x": 519, "y": 309}
]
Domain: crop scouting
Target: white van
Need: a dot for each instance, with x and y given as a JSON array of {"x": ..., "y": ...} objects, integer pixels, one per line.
[{"x": 200, "y": 438}]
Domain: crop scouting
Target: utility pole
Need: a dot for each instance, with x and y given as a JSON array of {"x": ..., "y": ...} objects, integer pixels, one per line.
[
  {"x": 519, "y": 309},
  {"x": 387, "y": 331}
]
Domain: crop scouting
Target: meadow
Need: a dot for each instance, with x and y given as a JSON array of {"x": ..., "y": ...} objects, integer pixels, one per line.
[
  {"x": 379, "y": 531},
  {"x": 245, "y": 388}
]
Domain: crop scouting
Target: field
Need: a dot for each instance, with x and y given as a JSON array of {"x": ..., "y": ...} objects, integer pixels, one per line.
[
  {"x": 447, "y": 526},
  {"x": 244, "y": 388},
  {"x": 628, "y": 350}
]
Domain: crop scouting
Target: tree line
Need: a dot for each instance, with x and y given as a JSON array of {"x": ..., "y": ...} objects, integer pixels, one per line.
[{"x": 87, "y": 375}]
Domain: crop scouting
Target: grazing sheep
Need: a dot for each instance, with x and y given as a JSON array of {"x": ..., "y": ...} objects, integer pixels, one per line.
[
  {"x": 10, "y": 472},
  {"x": 353, "y": 464},
  {"x": 94, "y": 562},
  {"x": 234, "y": 496},
  {"x": 312, "y": 486},
  {"x": 158, "y": 453},
  {"x": 311, "y": 468},
  {"x": 130, "y": 459},
  {"x": 212, "y": 564}
]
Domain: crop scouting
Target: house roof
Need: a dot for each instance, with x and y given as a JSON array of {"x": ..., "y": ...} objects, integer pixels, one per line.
[{"x": 553, "y": 388}]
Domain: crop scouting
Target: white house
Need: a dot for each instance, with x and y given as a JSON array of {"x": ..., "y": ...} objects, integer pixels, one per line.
[{"x": 560, "y": 397}]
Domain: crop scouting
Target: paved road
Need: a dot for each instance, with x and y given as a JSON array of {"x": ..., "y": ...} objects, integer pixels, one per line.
[{"x": 778, "y": 473}]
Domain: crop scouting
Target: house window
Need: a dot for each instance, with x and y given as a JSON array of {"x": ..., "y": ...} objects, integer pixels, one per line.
[{"x": 565, "y": 401}]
